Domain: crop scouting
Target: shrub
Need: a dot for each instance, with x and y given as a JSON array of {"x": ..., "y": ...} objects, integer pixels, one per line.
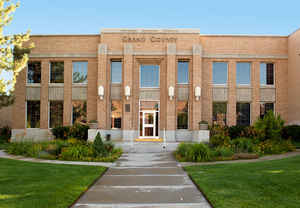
[
  {"x": 79, "y": 131},
  {"x": 219, "y": 140},
  {"x": 183, "y": 149},
  {"x": 235, "y": 131},
  {"x": 275, "y": 147},
  {"x": 222, "y": 152},
  {"x": 99, "y": 147},
  {"x": 61, "y": 132},
  {"x": 291, "y": 132},
  {"x": 5, "y": 134},
  {"x": 197, "y": 152},
  {"x": 218, "y": 130},
  {"x": 269, "y": 127},
  {"x": 243, "y": 144},
  {"x": 77, "y": 152}
]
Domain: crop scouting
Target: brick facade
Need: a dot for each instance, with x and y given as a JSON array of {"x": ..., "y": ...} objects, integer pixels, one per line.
[{"x": 164, "y": 48}]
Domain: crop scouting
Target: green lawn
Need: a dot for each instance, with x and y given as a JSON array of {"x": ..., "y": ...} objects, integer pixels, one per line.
[
  {"x": 36, "y": 185},
  {"x": 273, "y": 184}
]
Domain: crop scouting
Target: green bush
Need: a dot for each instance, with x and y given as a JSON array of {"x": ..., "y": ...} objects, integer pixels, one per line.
[
  {"x": 269, "y": 127},
  {"x": 197, "y": 152},
  {"x": 219, "y": 140},
  {"x": 5, "y": 134},
  {"x": 77, "y": 152},
  {"x": 77, "y": 131},
  {"x": 243, "y": 144},
  {"x": 218, "y": 130},
  {"x": 222, "y": 152},
  {"x": 235, "y": 131},
  {"x": 275, "y": 147},
  {"x": 99, "y": 147},
  {"x": 291, "y": 132}
]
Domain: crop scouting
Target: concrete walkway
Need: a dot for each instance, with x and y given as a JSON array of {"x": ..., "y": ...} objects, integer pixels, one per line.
[{"x": 144, "y": 180}]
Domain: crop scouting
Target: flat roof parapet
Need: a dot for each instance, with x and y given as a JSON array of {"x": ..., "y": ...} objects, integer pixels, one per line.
[{"x": 150, "y": 31}]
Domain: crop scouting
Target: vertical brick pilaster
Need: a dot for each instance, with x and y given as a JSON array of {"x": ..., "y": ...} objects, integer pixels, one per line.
[
  {"x": 102, "y": 112},
  {"x": 67, "y": 93},
  {"x": 171, "y": 81},
  {"x": 44, "y": 94},
  {"x": 127, "y": 123},
  {"x": 255, "y": 84},
  {"x": 231, "y": 105},
  {"x": 19, "y": 107},
  {"x": 92, "y": 96},
  {"x": 207, "y": 97},
  {"x": 196, "y": 82},
  {"x": 281, "y": 84}
]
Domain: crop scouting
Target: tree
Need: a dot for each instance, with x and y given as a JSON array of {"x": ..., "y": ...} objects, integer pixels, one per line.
[{"x": 13, "y": 53}]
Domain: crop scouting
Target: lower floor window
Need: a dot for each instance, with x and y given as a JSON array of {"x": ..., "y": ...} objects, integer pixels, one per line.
[
  {"x": 56, "y": 113},
  {"x": 116, "y": 114},
  {"x": 243, "y": 114},
  {"x": 33, "y": 114},
  {"x": 265, "y": 107},
  {"x": 182, "y": 109},
  {"x": 79, "y": 112},
  {"x": 219, "y": 113}
]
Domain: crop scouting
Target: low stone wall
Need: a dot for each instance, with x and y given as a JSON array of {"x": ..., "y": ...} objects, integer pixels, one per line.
[{"x": 31, "y": 135}]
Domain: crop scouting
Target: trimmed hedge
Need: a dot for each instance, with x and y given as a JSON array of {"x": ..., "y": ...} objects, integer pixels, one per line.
[
  {"x": 77, "y": 131},
  {"x": 291, "y": 132}
]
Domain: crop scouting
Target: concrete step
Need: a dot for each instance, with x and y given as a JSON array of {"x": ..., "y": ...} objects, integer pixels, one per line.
[
  {"x": 143, "y": 196},
  {"x": 147, "y": 147},
  {"x": 167, "y": 205},
  {"x": 146, "y": 171}
]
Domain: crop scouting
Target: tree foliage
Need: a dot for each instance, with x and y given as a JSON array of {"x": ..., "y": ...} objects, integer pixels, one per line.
[{"x": 13, "y": 53}]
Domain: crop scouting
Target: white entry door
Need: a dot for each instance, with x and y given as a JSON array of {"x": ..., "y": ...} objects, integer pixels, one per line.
[{"x": 149, "y": 124}]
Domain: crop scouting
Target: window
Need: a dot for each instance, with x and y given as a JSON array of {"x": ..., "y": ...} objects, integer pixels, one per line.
[
  {"x": 149, "y": 76},
  {"x": 220, "y": 72},
  {"x": 80, "y": 70},
  {"x": 78, "y": 112},
  {"x": 56, "y": 113},
  {"x": 265, "y": 107},
  {"x": 116, "y": 114},
  {"x": 243, "y": 73},
  {"x": 243, "y": 114},
  {"x": 219, "y": 113},
  {"x": 182, "y": 114},
  {"x": 267, "y": 74},
  {"x": 34, "y": 72},
  {"x": 183, "y": 72},
  {"x": 57, "y": 72},
  {"x": 33, "y": 114},
  {"x": 116, "y": 72}
]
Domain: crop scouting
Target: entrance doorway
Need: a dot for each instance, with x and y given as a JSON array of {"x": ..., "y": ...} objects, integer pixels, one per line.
[{"x": 149, "y": 119}]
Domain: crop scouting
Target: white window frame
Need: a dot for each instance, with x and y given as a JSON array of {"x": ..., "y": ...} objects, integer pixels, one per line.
[
  {"x": 32, "y": 84},
  {"x": 87, "y": 71},
  {"x": 26, "y": 114},
  {"x": 111, "y": 61},
  {"x": 183, "y": 83},
  {"x": 188, "y": 121},
  {"x": 55, "y": 84},
  {"x": 274, "y": 74}
]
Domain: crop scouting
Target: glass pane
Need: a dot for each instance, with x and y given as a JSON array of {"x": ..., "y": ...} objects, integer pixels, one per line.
[
  {"x": 33, "y": 114},
  {"x": 243, "y": 114},
  {"x": 57, "y": 72},
  {"x": 149, "y": 76},
  {"x": 80, "y": 70},
  {"x": 116, "y": 72},
  {"x": 149, "y": 131},
  {"x": 56, "y": 113},
  {"x": 220, "y": 73},
  {"x": 34, "y": 72},
  {"x": 149, "y": 118},
  {"x": 183, "y": 72},
  {"x": 270, "y": 74},
  {"x": 156, "y": 124},
  {"x": 263, "y": 73},
  {"x": 219, "y": 113},
  {"x": 79, "y": 112},
  {"x": 243, "y": 73},
  {"x": 116, "y": 114},
  {"x": 141, "y": 123},
  {"x": 182, "y": 115}
]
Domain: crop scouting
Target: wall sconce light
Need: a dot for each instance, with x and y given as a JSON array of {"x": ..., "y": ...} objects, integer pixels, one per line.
[
  {"x": 197, "y": 92},
  {"x": 171, "y": 92},
  {"x": 127, "y": 92},
  {"x": 101, "y": 92}
]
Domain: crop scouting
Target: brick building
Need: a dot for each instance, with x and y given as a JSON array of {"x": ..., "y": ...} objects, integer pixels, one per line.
[{"x": 136, "y": 83}]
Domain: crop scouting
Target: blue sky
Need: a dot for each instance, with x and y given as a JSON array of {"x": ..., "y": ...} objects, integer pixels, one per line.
[{"x": 210, "y": 16}]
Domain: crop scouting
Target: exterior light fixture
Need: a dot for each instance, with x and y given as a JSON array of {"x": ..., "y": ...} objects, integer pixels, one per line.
[
  {"x": 171, "y": 92},
  {"x": 127, "y": 92},
  {"x": 101, "y": 92},
  {"x": 197, "y": 92}
]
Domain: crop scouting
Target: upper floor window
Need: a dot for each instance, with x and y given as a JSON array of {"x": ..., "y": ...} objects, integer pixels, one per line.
[
  {"x": 183, "y": 72},
  {"x": 34, "y": 72},
  {"x": 243, "y": 73},
  {"x": 57, "y": 72},
  {"x": 267, "y": 74},
  {"x": 80, "y": 70},
  {"x": 149, "y": 76},
  {"x": 116, "y": 72},
  {"x": 220, "y": 72}
]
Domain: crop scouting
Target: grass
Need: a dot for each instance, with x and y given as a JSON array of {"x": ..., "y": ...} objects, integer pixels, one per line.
[
  {"x": 274, "y": 184},
  {"x": 296, "y": 143},
  {"x": 35, "y": 185}
]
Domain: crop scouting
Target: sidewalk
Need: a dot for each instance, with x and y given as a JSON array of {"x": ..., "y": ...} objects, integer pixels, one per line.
[{"x": 144, "y": 180}]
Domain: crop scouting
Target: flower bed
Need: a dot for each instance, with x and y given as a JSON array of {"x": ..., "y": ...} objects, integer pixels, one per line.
[{"x": 71, "y": 149}]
